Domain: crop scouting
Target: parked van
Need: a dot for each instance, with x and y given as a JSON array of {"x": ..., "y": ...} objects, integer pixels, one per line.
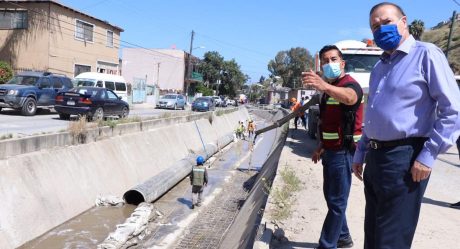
[{"x": 115, "y": 83}]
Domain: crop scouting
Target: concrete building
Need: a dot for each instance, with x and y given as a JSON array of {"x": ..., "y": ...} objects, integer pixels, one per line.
[
  {"x": 164, "y": 68},
  {"x": 277, "y": 94},
  {"x": 46, "y": 35}
]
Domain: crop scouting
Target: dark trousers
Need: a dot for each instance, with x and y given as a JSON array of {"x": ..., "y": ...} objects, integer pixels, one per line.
[
  {"x": 393, "y": 199},
  {"x": 336, "y": 188},
  {"x": 458, "y": 146}
]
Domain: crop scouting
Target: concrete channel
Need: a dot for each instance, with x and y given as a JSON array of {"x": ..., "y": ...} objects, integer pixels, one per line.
[{"x": 50, "y": 192}]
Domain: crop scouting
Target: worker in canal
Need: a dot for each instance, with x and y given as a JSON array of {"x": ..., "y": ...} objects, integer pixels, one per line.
[
  {"x": 240, "y": 130},
  {"x": 251, "y": 128},
  {"x": 199, "y": 180}
]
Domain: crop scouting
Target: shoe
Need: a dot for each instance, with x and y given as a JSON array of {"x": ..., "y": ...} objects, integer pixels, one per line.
[
  {"x": 193, "y": 206},
  {"x": 345, "y": 243},
  {"x": 455, "y": 205},
  {"x": 198, "y": 204}
]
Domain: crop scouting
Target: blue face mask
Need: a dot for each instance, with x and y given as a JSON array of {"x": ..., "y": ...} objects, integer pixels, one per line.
[
  {"x": 387, "y": 37},
  {"x": 332, "y": 70}
]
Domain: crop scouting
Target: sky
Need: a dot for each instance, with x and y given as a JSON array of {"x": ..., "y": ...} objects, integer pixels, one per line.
[{"x": 250, "y": 31}]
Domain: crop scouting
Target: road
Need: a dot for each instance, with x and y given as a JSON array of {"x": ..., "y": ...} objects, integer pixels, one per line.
[{"x": 13, "y": 123}]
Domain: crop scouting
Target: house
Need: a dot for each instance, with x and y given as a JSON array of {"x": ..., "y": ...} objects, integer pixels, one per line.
[
  {"x": 45, "y": 35},
  {"x": 277, "y": 94}
]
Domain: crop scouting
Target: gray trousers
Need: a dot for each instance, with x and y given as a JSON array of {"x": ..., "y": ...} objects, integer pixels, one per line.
[{"x": 196, "y": 194}]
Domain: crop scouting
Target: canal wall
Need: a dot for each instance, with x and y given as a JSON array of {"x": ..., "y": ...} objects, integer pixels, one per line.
[
  {"x": 48, "y": 179},
  {"x": 244, "y": 229}
]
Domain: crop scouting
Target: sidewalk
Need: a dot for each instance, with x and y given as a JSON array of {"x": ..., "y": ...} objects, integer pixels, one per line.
[
  {"x": 438, "y": 225},
  {"x": 144, "y": 105}
]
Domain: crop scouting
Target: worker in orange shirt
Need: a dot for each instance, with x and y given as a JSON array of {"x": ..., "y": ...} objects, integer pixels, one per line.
[{"x": 296, "y": 105}]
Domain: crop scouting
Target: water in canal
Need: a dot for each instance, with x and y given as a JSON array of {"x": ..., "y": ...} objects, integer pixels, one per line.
[{"x": 90, "y": 228}]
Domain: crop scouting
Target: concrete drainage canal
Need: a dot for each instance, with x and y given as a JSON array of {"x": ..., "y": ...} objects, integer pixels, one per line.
[{"x": 158, "y": 212}]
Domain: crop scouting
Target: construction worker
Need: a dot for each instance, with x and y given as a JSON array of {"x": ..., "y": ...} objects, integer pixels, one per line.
[
  {"x": 251, "y": 128},
  {"x": 240, "y": 130},
  {"x": 341, "y": 111},
  {"x": 296, "y": 105},
  {"x": 198, "y": 179}
]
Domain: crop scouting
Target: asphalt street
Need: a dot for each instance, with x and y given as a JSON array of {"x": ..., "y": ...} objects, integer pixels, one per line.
[{"x": 12, "y": 123}]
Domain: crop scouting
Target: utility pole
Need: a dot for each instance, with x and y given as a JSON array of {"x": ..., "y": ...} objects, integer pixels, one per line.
[
  {"x": 188, "y": 71},
  {"x": 452, "y": 23},
  {"x": 158, "y": 74}
]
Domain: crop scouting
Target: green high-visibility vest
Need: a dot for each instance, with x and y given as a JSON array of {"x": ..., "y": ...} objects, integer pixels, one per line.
[{"x": 198, "y": 175}]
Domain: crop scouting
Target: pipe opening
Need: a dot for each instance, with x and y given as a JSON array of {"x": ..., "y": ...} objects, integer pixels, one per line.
[{"x": 133, "y": 197}]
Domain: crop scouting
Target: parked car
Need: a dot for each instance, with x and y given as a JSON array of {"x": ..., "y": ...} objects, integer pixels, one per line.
[
  {"x": 172, "y": 101},
  {"x": 231, "y": 102},
  {"x": 93, "y": 102},
  {"x": 217, "y": 100},
  {"x": 223, "y": 101},
  {"x": 203, "y": 104},
  {"x": 27, "y": 91}
]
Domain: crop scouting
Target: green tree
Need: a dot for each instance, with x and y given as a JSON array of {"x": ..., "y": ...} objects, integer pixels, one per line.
[
  {"x": 289, "y": 65},
  {"x": 416, "y": 29},
  {"x": 262, "y": 79},
  {"x": 211, "y": 67},
  {"x": 6, "y": 72},
  {"x": 223, "y": 76},
  {"x": 201, "y": 88},
  {"x": 232, "y": 79}
]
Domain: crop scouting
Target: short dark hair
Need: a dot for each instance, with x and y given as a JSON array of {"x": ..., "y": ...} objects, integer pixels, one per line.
[
  {"x": 328, "y": 48},
  {"x": 400, "y": 10}
]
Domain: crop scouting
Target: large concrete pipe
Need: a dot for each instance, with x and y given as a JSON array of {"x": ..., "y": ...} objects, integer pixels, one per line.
[{"x": 156, "y": 186}]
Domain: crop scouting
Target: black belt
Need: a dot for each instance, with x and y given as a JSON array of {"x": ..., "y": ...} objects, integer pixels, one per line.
[{"x": 376, "y": 144}]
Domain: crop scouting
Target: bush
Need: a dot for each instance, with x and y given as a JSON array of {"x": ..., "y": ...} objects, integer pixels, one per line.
[
  {"x": 6, "y": 72},
  {"x": 201, "y": 88}
]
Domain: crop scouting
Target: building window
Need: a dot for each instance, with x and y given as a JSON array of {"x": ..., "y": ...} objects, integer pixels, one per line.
[
  {"x": 109, "y": 38},
  {"x": 84, "y": 31},
  {"x": 13, "y": 19},
  {"x": 81, "y": 69}
]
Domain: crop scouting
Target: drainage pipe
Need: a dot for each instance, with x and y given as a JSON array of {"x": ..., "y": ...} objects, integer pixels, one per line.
[{"x": 159, "y": 184}]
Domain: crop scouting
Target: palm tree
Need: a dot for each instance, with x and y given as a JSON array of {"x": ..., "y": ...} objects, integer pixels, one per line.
[{"x": 416, "y": 28}]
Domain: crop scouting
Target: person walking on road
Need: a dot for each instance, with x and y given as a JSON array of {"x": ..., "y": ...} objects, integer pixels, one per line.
[
  {"x": 199, "y": 180},
  {"x": 341, "y": 113},
  {"x": 412, "y": 115}
]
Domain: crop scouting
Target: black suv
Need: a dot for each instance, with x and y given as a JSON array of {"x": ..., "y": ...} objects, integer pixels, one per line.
[{"x": 28, "y": 90}]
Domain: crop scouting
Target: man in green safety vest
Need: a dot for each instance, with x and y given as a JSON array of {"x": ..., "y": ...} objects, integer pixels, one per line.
[{"x": 198, "y": 179}]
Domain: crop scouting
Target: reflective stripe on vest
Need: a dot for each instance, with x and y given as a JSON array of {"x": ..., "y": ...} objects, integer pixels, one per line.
[
  {"x": 330, "y": 136},
  {"x": 356, "y": 138},
  {"x": 332, "y": 101}
]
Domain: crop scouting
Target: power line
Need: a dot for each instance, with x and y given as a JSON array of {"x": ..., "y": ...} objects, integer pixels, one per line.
[
  {"x": 94, "y": 4},
  {"x": 133, "y": 45},
  {"x": 95, "y": 32},
  {"x": 204, "y": 35},
  {"x": 236, "y": 46},
  {"x": 455, "y": 1}
]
